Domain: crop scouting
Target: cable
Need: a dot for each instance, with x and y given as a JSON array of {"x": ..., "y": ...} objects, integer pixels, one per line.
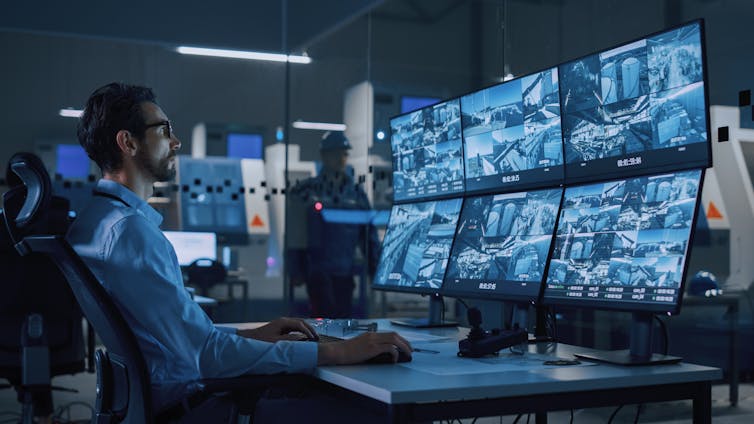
[
  {"x": 638, "y": 411},
  {"x": 571, "y": 422},
  {"x": 664, "y": 328},
  {"x": 527, "y": 418},
  {"x": 614, "y": 414},
  {"x": 518, "y": 417}
]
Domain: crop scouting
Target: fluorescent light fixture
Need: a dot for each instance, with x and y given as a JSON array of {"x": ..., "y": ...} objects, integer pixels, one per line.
[
  {"x": 71, "y": 113},
  {"x": 303, "y": 125},
  {"x": 241, "y": 54}
]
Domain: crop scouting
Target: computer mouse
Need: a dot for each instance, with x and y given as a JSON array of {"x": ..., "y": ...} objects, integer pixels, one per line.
[{"x": 387, "y": 358}]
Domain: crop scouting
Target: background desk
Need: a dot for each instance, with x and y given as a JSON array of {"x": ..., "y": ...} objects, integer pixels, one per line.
[{"x": 408, "y": 395}]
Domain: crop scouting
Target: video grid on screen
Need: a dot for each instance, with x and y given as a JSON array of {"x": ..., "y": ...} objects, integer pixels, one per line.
[
  {"x": 640, "y": 105},
  {"x": 625, "y": 241},
  {"x": 427, "y": 152},
  {"x": 512, "y": 134},
  {"x": 502, "y": 244},
  {"x": 417, "y": 245}
]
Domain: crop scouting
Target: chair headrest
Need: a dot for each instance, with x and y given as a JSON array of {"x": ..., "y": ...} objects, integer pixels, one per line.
[{"x": 26, "y": 173}]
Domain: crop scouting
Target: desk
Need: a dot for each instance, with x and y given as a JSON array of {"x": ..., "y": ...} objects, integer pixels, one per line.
[{"x": 410, "y": 395}]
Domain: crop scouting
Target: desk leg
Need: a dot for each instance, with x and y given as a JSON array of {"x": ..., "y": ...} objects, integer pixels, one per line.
[
  {"x": 703, "y": 404},
  {"x": 733, "y": 354},
  {"x": 397, "y": 414}
]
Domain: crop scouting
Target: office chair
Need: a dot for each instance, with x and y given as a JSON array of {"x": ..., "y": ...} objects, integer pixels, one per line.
[
  {"x": 41, "y": 332},
  {"x": 123, "y": 383}
]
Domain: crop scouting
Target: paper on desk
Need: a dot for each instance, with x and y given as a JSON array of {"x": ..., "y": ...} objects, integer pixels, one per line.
[{"x": 447, "y": 362}]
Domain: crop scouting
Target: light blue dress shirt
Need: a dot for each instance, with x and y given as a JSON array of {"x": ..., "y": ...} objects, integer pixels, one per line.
[{"x": 118, "y": 237}]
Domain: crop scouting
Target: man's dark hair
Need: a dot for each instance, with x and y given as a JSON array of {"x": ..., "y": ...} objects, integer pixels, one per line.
[{"x": 112, "y": 108}]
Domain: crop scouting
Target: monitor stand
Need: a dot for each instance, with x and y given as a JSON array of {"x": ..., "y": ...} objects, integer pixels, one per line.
[
  {"x": 436, "y": 306},
  {"x": 640, "y": 347}
]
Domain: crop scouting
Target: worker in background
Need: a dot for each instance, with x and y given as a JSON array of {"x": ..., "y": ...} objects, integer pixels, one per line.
[{"x": 329, "y": 262}]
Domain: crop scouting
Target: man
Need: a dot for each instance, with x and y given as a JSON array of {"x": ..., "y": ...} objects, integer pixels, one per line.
[
  {"x": 329, "y": 257},
  {"x": 118, "y": 236}
]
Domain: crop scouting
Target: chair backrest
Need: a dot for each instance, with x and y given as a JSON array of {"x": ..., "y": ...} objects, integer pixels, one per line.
[{"x": 124, "y": 392}]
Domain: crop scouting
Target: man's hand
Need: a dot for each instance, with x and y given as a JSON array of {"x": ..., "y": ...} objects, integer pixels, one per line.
[
  {"x": 361, "y": 348},
  {"x": 281, "y": 329}
]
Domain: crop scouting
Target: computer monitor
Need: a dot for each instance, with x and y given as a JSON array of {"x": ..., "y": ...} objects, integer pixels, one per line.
[
  {"x": 416, "y": 249},
  {"x": 245, "y": 145},
  {"x": 638, "y": 108},
  {"x": 623, "y": 245},
  {"x": 502, "y": 244},
  {"x": 72, "y": 161},
  {"x": 190, "y": 246},
  {"x": 512, "y": 136},
  {"x": 427, "y": 153}
]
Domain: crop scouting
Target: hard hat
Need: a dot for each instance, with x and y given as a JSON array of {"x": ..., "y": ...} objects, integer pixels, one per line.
[{"x": 334, "y": 140}]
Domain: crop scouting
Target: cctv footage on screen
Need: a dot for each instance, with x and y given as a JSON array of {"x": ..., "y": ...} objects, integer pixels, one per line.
[
  {"x": 512, "y": 134},
  {"x": 426, "y": 146},
  {"x": 625, "y": 240},
  {"x": 502, "y": 244},
  {"x": 638, "y": 106},
  {"x": 417, "y": 244}
]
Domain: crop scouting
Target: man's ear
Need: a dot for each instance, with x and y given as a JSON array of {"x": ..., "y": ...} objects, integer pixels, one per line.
[{"x": 126, "y": 142}]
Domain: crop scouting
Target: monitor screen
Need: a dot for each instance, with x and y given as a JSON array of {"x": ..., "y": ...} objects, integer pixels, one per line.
[
  {"x": 245, "y": 146},
  {"x": 71, "y": 161},
  {"x": 412, "y": 103},
  {"x": 190, "y": 246},
  {"x": 512, "y": 135},
  {"x": 417, "y": 245},
  {"x": 624, "y": 244},
  {"x": 637, "y": 109},
  {"x": 427, "y": 153},
  {"x": 502, "y": 244}
]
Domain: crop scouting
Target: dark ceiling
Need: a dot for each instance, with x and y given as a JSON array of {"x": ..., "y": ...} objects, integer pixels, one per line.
[{"x": 247, "y": 25}]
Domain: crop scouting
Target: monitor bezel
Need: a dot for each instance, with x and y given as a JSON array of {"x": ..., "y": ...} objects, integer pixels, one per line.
[
  {"x": 669, "y": 309},
  {"x": 419, "y": 290},
  {"x": 515, "y": 187},
  {"x": 519, "y": 298},
  {"x": 440, "y": 196},
  {"x": 617, "y": 174}
]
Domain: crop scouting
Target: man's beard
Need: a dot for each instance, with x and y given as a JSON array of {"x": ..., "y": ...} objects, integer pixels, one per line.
[{"x": 161, "y": 171}]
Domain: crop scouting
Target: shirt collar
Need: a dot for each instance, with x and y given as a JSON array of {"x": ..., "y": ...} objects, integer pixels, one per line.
[{"x": 122, "y": 193}]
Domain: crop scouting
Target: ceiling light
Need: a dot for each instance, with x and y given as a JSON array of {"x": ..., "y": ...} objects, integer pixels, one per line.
[
  {"x": 241, "y": 54},
  {"x": 303, "y": 125},
  {"x": 71, "y": 113}
]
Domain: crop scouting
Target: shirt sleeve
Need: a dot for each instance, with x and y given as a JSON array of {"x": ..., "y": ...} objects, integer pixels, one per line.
[{"x": 144, "y": 279}]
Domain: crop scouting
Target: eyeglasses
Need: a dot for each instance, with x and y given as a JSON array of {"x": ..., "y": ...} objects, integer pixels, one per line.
[{"x": 168, "y": 125}]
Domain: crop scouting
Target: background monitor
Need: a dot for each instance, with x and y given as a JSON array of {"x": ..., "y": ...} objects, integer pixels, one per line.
[
  {"x": 637, "y": 108},
  {"x": 190, "y": 246},
  {"x": 416, "y": 246},
  {"x": 412, "y": 103},
  {"x": 502, "y": 244},
  {"x": 512, "y": 135},
  {"x": 624, "y": 244},
  {"x": 427, "y": 153},
  {"x": 72, "y": 161},
  {"x": 245, "y": 146}
]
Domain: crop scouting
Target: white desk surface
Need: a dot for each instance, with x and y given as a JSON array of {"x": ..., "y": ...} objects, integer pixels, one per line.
[{"x": 410, "y": 382}]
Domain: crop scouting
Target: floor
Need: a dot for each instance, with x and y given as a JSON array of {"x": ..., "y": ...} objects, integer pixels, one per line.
[{"x": 76, "y": 407}]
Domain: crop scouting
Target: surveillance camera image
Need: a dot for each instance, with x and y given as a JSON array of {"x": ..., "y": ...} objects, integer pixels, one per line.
[
  {"x": 641, "y": 105},
  {"x": 512, "y": 134},
  {"x": 624, "y": 241},
  {"x": 502, "y": 244},
  {"x": 427, "y": 154},
  {"x": 417, "y": 245}
]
